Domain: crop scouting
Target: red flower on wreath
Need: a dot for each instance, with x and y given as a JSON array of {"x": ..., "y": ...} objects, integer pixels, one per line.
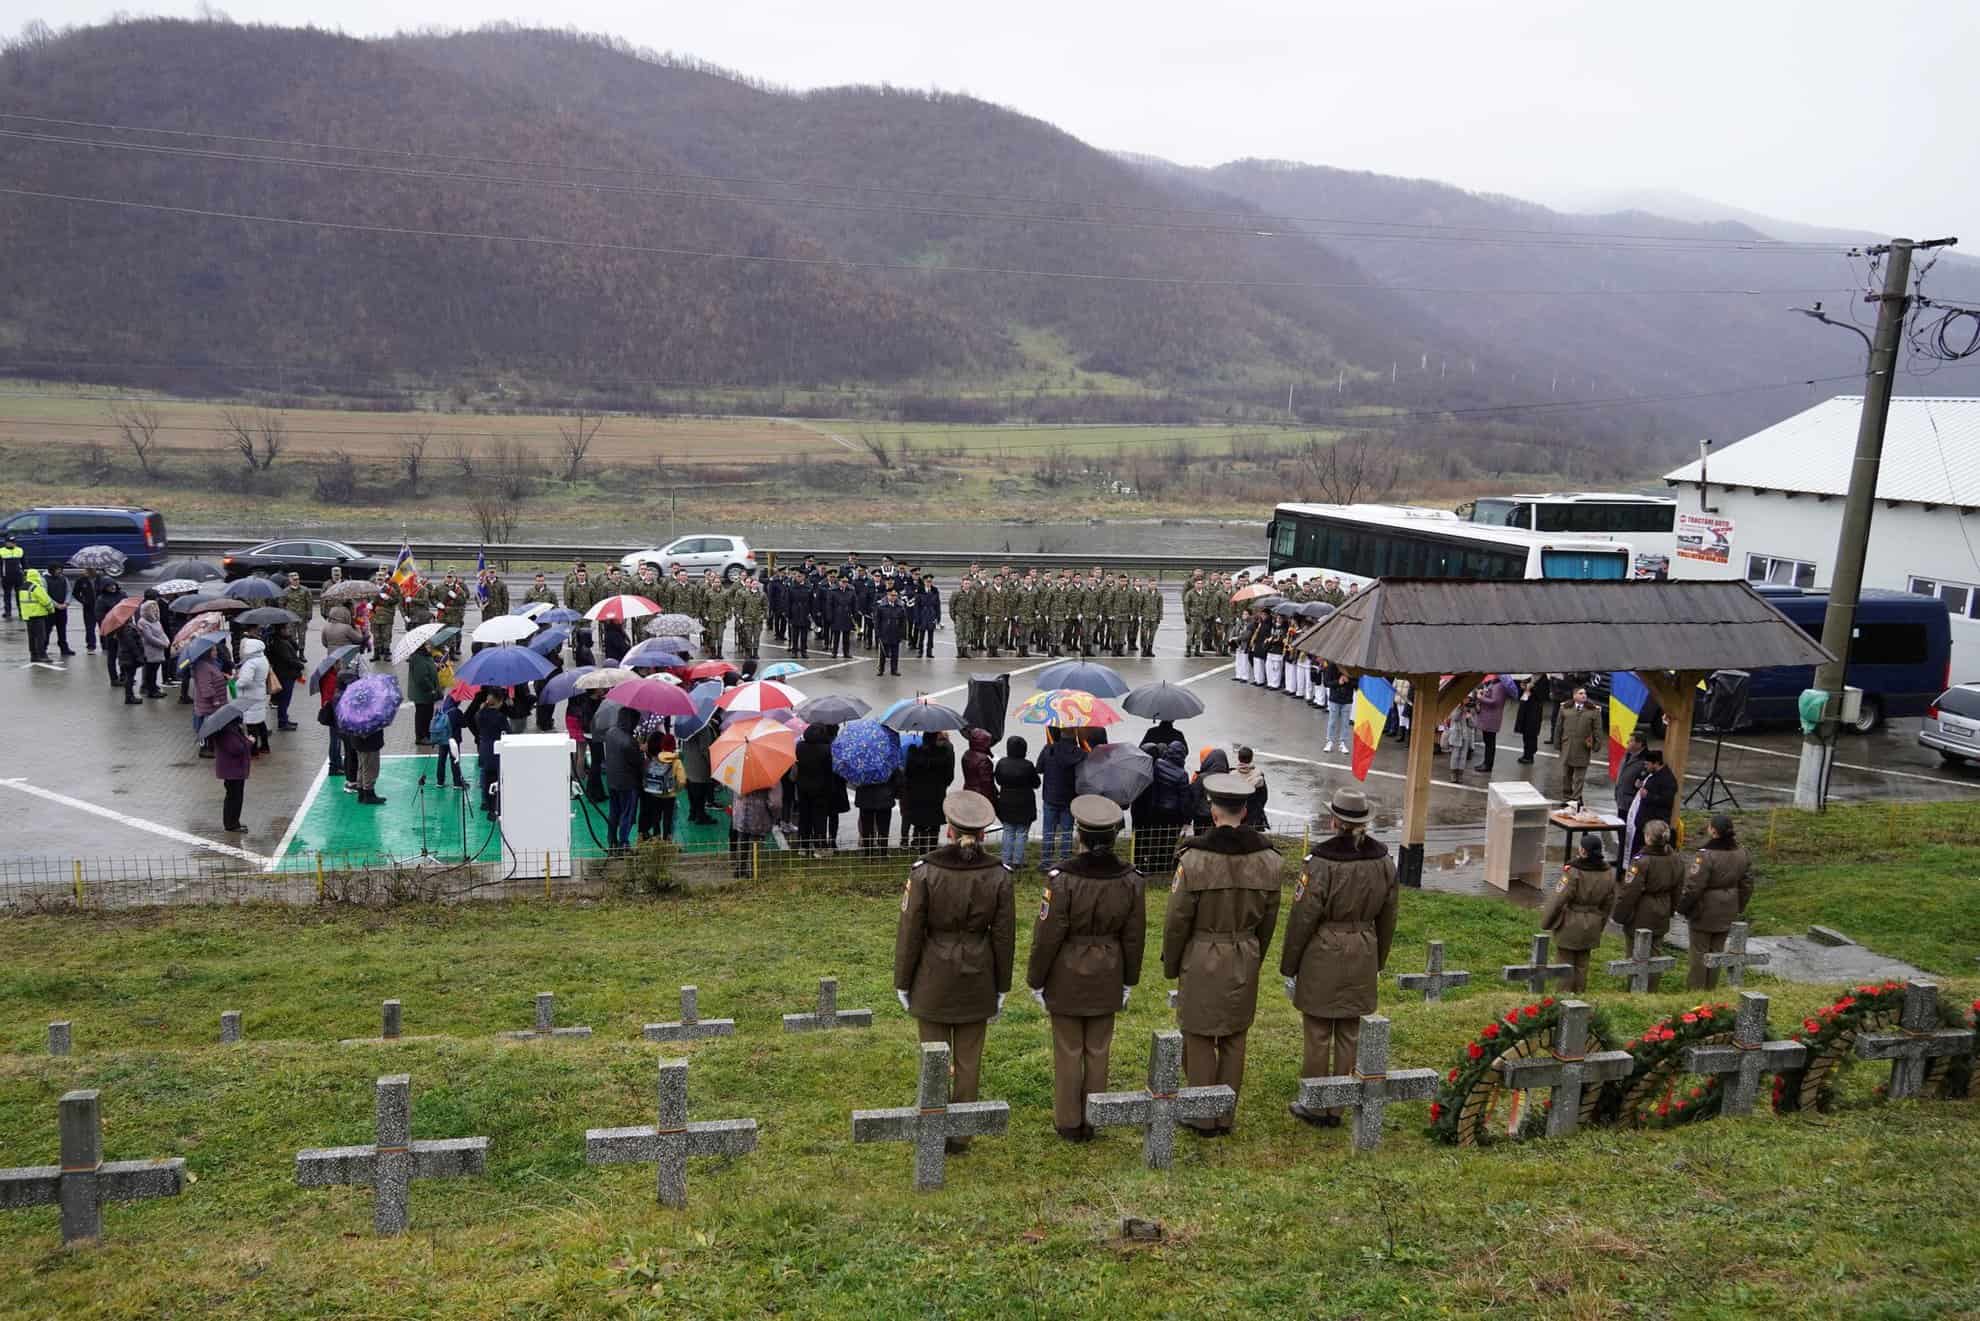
[
  {"x": 1666, "y": 1035},
  {"x": 1491, "y": 1030},
  {"x": 1476, "y": 1051},
  {"x": 1451, "y": 1076},
  {"x": 1436, "y": 1112},
  {"x": 1512, "y": 1018},
  {"x": 1691, "y": 1018},
  {"x": 1811, "y": 1025},
  {"x": 1630, "y": 1044},
  {"x": 1531, "y": 1011},
  {"x": 1663, "y": 1109},
  {"x": 1705, "y": 1011},
  {"x": 1547, "y": 1002},
  {"x": 1678, "y": 1106},
  {"x": 1697, "y": 1092}
]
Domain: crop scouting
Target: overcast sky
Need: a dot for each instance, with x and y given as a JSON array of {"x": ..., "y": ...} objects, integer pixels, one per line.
[{"x": 1818, "y": 112}]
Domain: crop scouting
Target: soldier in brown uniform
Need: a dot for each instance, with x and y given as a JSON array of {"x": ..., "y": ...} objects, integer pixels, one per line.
[
  {"x": 1577, "y": 733},
  {"x": 956, "y": 940},
  {"x": 1716, "y": 891},
  {"x": 1650, "y": 890},
  {"x": 1337, "y": 939},
  {"x": 1223, "y": 905},
  {"x": 1086, "y": 951},
  {"x": 1577, "y": 912}
]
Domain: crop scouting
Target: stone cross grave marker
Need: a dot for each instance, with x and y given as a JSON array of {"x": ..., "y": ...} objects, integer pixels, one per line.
[
  {"x": 669, "y": 1142},
  {"x": 230, "y": 1026},
  {"x": 1735, "y": 959},
  {"x": 58, "y": 1038},
  {"x": 1369, "y": 1089},
  {"x": 828, "y": 1014},
  {"x": 1748, "y": 1057},
  {"x": 931, "y": 1121},
  {"x": 1918, "y": 1040},
  {"x": 84, "y": 1181},
  {"x": 1537, "y": 973},
  {"x": 546, "y": 1023},
  {"x": 1157, "y": 1109},
  {"x": 691, "y": 1026},
  {"x": 388, "y": 1021},
  {"x": 1433, "y": 979},
  {"x": 1567, "y": 1070},
  {"x": 1641, "y": 969},
  {"x": 390, "y": 1165}
]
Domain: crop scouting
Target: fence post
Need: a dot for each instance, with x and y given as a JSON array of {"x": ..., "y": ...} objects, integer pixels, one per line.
[
  {"x": 546, "y": 874},
  {"x": 79, "y": 898},
  {"x": 1773, "y": 816},
  {"x": 319, "y": 878},
  {"x": 754, "y": 858}
]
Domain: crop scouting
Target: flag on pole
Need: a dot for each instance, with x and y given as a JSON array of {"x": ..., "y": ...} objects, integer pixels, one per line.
[
  {"x": 1627, "y": 695},
  {"x": 480, "y": 575},
  {"x": 405, "y": 574},
  {"x": 1372, "y": 699}
]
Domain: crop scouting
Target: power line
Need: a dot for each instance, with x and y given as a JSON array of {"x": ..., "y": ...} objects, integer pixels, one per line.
[{"x": 846, "y": 263}]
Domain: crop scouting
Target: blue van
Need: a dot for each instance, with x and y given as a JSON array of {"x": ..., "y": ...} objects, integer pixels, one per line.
[
  {"x": 50, "y": 535},
  {"x": 1901, "y": 656}
]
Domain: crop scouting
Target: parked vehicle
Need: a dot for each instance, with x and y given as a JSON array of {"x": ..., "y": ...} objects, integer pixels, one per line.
[
  {"x": 51, "y": 534},
  {"x": 729, "y": 556},
  {"x": 312, "y": 558},
  {"x": 1952, "y": 725}
]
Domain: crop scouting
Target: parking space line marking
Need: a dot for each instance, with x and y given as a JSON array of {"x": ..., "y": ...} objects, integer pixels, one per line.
[
  {"x": 964, "y": 687},
  {"x": 1214, "y": 669},
  {"x": 1853, "y": 766},
  {"x": 295, "y": 822},
  {"x": 1343, "y": 766},
  {"x": 135, "y": 822}
]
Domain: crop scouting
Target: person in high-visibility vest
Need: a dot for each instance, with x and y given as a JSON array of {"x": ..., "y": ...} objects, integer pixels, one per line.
[{"x": 13, "y": 560}]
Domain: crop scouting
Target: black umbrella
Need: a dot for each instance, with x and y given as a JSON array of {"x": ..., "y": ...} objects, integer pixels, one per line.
[
  {"x": 1315, "y": 610},
  {"x": 267, "y": 614},
  {"x": 254, "y": 589},
  {"x": 922, "y": 716},
  {"x": 1286, "y": 608},
  {"x": 219, "y": 720},
  {"x": 329, "y": 662},
  {"x": 1117, "y": 771},
  {"x": 832, "y": 709},
  {"x": 197, "y": 570},
  {"x": 196, "y": 604},
  {"x": 605, "y": 718},
  {"x": 1162, "y": 700}
]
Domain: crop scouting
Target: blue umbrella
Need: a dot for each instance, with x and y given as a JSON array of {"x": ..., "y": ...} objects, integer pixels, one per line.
[
  {"x": 254, "y": 589},
  {"x": 549, "y": 640},
  {"x": 703, "y": 696},
  {"x": 200, "y": 645},
  {"x": 656, "y": 654},
  {"x": 1082, "y": 676},
  {"x": 866, "y": 752},
  {"x": 503, "y": 667},
  {"x": 560, "y": 688},
  {"x": 782, "y": 670},
  {"x": 560, "y": 615}
]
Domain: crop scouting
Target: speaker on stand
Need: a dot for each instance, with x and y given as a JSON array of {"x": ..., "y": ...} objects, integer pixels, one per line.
[{"x": 1721, "y": 710}]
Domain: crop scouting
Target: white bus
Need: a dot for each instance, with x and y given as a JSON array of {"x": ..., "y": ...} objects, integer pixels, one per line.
[
  {"x": 1647, "y": 522},
  {"x": 1360, "y": 543}
]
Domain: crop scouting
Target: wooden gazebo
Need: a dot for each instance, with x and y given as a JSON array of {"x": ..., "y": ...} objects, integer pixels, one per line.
[{"x": 1671, "y": 634}]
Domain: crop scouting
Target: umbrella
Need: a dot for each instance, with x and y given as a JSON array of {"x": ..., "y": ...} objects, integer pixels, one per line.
[
  {"x": 559, "y": 615},
  {"x": 351, "y": 589},
  {"x": 198, "y": 624},
  {"x": 866, "y": 752},
  {"x": 655, "y": 653},
  {"x": 368, "y": 705},
  {"x": 106, "y": 558},
  {"x": 414, "y": 639},
  {"x": 789, "y": 718},
  {"x": 197, "y": 570},
  {"x": 176, "y": 587},
  {"x": 531, "y": 610},
  {"x": 606, "y": 716},
  {"x": 560, "y": 688},
  {"x": 623, "y": 607},
  {"x": 921, "y": 716},
  {"x": 196, "y": 604},
  {"x": 752, "y": 754},
  {"x": 218, "y": 720},
  {"x": 254, "y": 589},
  {"x": 268, "y": 614},
  {"x": 503, "y": 628},
  {"x": 648, "y": 727},
  {"x": 712, "y": 669},
  {"x": 1255, "y": 592},
  {"x": 651, "y": 697},
  {"x": 199, "y": 646},
  {"x": 605, "y": 678},
  {"x": 832, "y": 709},
  {"x": 213, "y": 587},
  {"x": 462, "y": 693},
  {"x": 1083, "y": 676},
  {"x": 703, "y": 696},
  {"x": 503, "y": 667},
  {"x": 1315, "y": 609},
  {"x": 330, "y": 661},
  {"x": 1066, "y": 708},
  {"x": 118, "y": 615},
  {"x": 782, "y": 670},
  {"x": 550, "y": 641},
  {"x": 759, "y": 696},
  {"x": 670, "y": 625},
  {"x": 1286, "y": 609},
  {"x": 1162, "y": 700},
  {"x": 1119, "y": 771}
]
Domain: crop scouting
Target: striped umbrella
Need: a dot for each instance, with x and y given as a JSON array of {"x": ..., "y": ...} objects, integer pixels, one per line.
[
  {"x": 623, "y": 607},
  {"x": 752, "y": 754},
  {"x": 758, "y": 697}
]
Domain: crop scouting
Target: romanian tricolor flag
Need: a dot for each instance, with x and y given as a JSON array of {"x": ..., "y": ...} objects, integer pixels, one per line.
[
  {"x": 405, "y": 574},
  {"x": 1627, "y": 694},
  {"x": 1372, "y": 699}
]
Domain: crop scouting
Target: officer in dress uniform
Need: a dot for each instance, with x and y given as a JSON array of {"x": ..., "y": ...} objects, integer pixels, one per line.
[
  {"x": 1223, "y": 906},
  {"x": 956, "y": 941},
  {"x": 1577, "y": 911},
  {"x": 1086, "y": 949}
]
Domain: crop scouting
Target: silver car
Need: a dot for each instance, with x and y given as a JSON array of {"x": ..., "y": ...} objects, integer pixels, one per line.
[
  {"x": 729, "y": 556},
  {"x": 1952, "y": 725}
]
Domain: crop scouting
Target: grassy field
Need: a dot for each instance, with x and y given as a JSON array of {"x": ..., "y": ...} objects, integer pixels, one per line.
[{"x": 1863, "y": 1212}]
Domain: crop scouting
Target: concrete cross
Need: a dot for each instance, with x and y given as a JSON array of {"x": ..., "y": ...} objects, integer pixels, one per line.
[
  {"x": 546, "y": 1022},
  {"x": 1641, "y": 969},
  {"x": 58, "y": 1038},
  {"x": 84, "y": 1181},
  {"x": 1156, "y": 1110},
  {"x": 390, "y": 1165},
  {"x": 1433, "y": 979},
  {"x": 691, "y": 1025},
  {"x": 1567, "y": 1070},
  {"x": 828, "y": 1015},
  {"x": 1735, "y": 960},
  {"x": 670, "y": 1141},
  {"x": 1748, "y": 1057},
  {"x": 931, "y": 1121},
  {"x": 1918, "y": 1040},
  {"x": 1369, "y": 1089},
  {"x": 1537, "y": 973},
  {"x": 230, "y": 1026}
]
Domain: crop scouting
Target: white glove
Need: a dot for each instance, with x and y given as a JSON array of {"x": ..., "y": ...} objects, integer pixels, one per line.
[
  {"x": 1126, "y": 991},
  {"x": 1039, "y": 996},
  {"x": 902, "y": 997},
  {"x": 1000, "y": 1000},
  {"x": 1290, "y": 983}
]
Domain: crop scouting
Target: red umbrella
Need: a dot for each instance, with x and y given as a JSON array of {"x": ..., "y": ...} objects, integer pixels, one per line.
[
  {"x": 651, "y": 697},
  {"x": 462, "y": 693},
  {"x": 758, "y": 697},
  {"x": 713, "y": 669},
  {"x": 119, "y": 615},
  {"x": 623, "y": 607}
]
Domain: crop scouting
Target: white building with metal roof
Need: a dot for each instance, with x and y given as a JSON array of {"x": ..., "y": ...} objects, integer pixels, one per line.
[{"x": 1769, "y": 508}]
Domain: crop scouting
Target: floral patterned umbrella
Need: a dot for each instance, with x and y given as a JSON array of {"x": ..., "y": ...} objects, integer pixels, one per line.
[
  {"x": 1066, "y": 708},
  {"x": 195, "y": 626},
  {"x": 368, "y": 705},
  {"x": 670, "y": 625},
  {"x": 866, "y": 752}
]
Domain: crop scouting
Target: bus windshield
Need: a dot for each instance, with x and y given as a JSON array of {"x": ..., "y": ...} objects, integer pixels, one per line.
[{"x": 1496, "y": 513}]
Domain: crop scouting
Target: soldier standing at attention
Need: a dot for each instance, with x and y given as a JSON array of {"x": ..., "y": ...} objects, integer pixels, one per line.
[
  {"x": 1717, "y": 889},
  {"x": 1650, "y": 890},
  {"x": 1578, "y": 909},
  {"x": 956, "y": 941},
  {"x": 1151, "y": 615},
  {"x": 1577, "y": 733},
  {"x": 539, "y": 591},
  {"x": 1086, "y": 949},
  {"x": 1223, "y": 905},
  {"x": 384, "y": 608},
  {"x": 1337, "y": 940},
  {"x": 298, "y": 602},
  {"x": 453, "y": 610}
]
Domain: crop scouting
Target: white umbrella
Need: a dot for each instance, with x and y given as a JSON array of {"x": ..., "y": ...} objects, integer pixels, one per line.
[
  {"x": 532, "y": 610},
  {"x": 504, "y": 628},
  {"x": 412, "y": 641},
  {"x": 605, "y": 679}
]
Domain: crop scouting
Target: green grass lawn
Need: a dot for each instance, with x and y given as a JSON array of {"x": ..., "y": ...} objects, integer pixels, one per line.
[{"x": 1863, "y": 1212}]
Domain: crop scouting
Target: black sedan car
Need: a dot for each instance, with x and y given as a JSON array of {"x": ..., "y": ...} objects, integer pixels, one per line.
[{"x": 312, "y": 558}]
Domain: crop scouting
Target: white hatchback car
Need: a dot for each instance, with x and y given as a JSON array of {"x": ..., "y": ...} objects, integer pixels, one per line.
[
  {"x": 1952, "y": 725},
  {"x": 730, "y": 557}
]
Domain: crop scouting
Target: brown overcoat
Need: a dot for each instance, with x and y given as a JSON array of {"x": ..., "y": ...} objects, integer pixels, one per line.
[
  {"x": 957, "y": 936},
  {"x": 1223, "y": 905},
  {"x": 1342, "y": 923},
  {"x": 1649, "y": 893},
  {"x": 1087, "y": 942},
  {"x": 1577, "y": 910},
  {"x": 1578, "y": 733},
  {"x": 1717, "y": 887}
]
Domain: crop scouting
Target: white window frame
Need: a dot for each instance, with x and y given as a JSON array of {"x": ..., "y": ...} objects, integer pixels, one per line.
[
  {"x": 1969, "y": 609},
  {"x": 1800, "y": 570}
]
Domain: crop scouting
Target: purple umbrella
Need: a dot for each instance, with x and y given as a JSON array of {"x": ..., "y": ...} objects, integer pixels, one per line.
[
  {"x": 562, "y": 686},
  {"x": 368, "y": 705}
]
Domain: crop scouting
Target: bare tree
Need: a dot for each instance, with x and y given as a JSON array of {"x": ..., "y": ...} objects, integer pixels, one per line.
[
  {"x": 138, "y": 424},
  {"x": 259, "y": 436},
  {"x": 1359, "y": 467},
  {"x": 337, "y": 480},
  {"x": 575, "y": 437},
  {"x": 460, "y": 453},
  {"x": 877, "y": 447},
  {"x": 496, "y": 512},
  {"x": 512, "y": 468},
  {"x": 412, "y": 454}
]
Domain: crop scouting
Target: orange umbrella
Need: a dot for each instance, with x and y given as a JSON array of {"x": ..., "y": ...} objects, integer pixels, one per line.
[
  {"x": 753, "y": 754},
  {"x": 118, "y": 615},
  {"x": 1254, "y": 592}
]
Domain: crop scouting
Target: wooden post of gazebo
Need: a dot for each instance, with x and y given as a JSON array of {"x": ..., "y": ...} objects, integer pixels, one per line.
[
  {"x": 1677, "y": 693},
  {"x": 1433, "y": 702}
]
